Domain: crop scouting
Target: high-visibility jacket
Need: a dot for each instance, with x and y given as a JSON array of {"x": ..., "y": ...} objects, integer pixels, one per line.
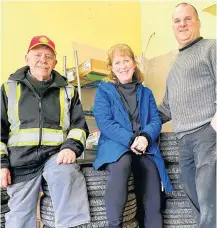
[{"x": 33, "y": 128}]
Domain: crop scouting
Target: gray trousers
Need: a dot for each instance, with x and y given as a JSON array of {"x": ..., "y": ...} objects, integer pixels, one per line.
[
  {"x": 68, "y": 192},
  {"x": 198, "y": 173}
]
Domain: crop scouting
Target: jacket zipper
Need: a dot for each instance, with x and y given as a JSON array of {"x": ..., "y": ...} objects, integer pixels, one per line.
[
  {"x": 40, "y": 124},
  {"x": 40, "y": 114},
  {"x": 40, "y": 108}
]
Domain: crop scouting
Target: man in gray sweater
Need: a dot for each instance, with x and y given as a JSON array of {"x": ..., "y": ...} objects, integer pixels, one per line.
[{"x": 190, "y": 102}]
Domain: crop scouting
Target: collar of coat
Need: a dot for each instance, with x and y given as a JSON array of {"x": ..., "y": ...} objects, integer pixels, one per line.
[
  {"x": 110, "y": 89},
  {"x": 20, "y": 75}
]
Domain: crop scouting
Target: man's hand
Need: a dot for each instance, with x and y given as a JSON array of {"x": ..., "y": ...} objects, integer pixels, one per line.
[
  {"x": 140, "y": 144},
  {"x": 214, "y": 122},
  {"x": 66, "y": 156},
  {"x": 5, "y": 176}
]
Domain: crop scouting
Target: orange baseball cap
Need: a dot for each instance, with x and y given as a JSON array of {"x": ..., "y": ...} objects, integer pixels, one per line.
[{"x": 44, "y": 40}]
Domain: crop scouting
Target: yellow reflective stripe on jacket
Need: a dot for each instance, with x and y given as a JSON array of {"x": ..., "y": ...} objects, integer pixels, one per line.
[
  {"x": 13, "y": 93},
  {"x": 62, "y": 107},
  {"x": 77, "y": 134},
  {"x": 30, "y": 137},
  {"x": 66, "y": 95},
  {"x": 6, "y": 89},
  {"x": 17, "y": 104},
  {"x": 3, "y": 148}
]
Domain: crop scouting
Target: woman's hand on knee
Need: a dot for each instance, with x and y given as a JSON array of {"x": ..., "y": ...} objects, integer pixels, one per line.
[{"x": 140, "y": 144}]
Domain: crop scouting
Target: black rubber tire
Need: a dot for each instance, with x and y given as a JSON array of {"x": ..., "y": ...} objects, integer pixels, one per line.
[
  {"x": 170, "y": 153},
  {"x": 4, "y": 196},
  {"x": 167, "y": 136},
  {"x": 128, "y": 210},
  {"x": 168, "y": 143},
  {"x": 181, "y": 226},
  {"x": 95, "y": 181},
  {"x": 96, "y": 204},
  {"x": 128, "y": 216},
  {"x": 168, "y": 148},
  {"x": 177, "y": 193},
  {"x": 177, "y": 204},
  {"x": 131, "y": 224},
  {"x": 94, "y": 189},
  {"x": 180, "y": 221},
  {"x": 178, "y": 212},
  {"x": 173, "y": 171},
  {"x": 98, "y": 224},
  {"x": 97, "y": 210},
  {"x": 171, "y": 160},
  {"x": 4, "y": 210}
]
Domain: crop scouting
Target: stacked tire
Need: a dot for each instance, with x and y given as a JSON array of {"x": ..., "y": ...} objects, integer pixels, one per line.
[
  {"x": 96, "y": 184},
  {"x": 177, "y": 212},
  {"x": 4, "y": 206}
]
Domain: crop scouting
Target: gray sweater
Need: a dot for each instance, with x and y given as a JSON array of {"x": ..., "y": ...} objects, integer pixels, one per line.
[{"x": 190, "y": 95}]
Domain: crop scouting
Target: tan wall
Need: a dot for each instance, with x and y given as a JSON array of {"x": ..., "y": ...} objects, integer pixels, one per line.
[
  {"x": 88, "y": 95},
  {"x": 156, "y": 70}
]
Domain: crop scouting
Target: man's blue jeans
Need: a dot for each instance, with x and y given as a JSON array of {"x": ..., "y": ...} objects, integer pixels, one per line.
[
  {"x": 68, "y": 192},
  {"x": 197, "y": 153}
]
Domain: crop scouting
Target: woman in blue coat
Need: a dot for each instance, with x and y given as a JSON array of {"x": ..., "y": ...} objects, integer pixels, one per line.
[{"x": 127, "y": 117}]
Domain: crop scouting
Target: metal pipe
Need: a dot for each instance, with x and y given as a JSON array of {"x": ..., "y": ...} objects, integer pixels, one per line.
[
  {"x": 77, "y": 72},
  {"x": 148, "y": 42},
  {"x": 143, "y": 56},
  {"x": 79, "y": 85},
  {"x": 64, "y": 66}
]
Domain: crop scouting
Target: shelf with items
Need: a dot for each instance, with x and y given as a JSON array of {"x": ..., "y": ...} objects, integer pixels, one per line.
[
  {"x": 89, "y": 117},
  {"x": 91, "y": 80},
  {"x": 86, "y": 77},
  {"x": 93, "y": 84},
  {"x": 91, "y": 72},
  {"x": 88, "y": 158},
  {"x": 88, "y": 113}
]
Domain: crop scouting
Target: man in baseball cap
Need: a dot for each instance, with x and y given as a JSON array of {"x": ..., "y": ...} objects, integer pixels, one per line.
[
  {"x": 43, "y": 131},
  {"x": 41, "y": 58}
]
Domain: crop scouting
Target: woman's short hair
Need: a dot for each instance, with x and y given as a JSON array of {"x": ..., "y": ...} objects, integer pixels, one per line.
[{"x": 123, "y": 49}]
